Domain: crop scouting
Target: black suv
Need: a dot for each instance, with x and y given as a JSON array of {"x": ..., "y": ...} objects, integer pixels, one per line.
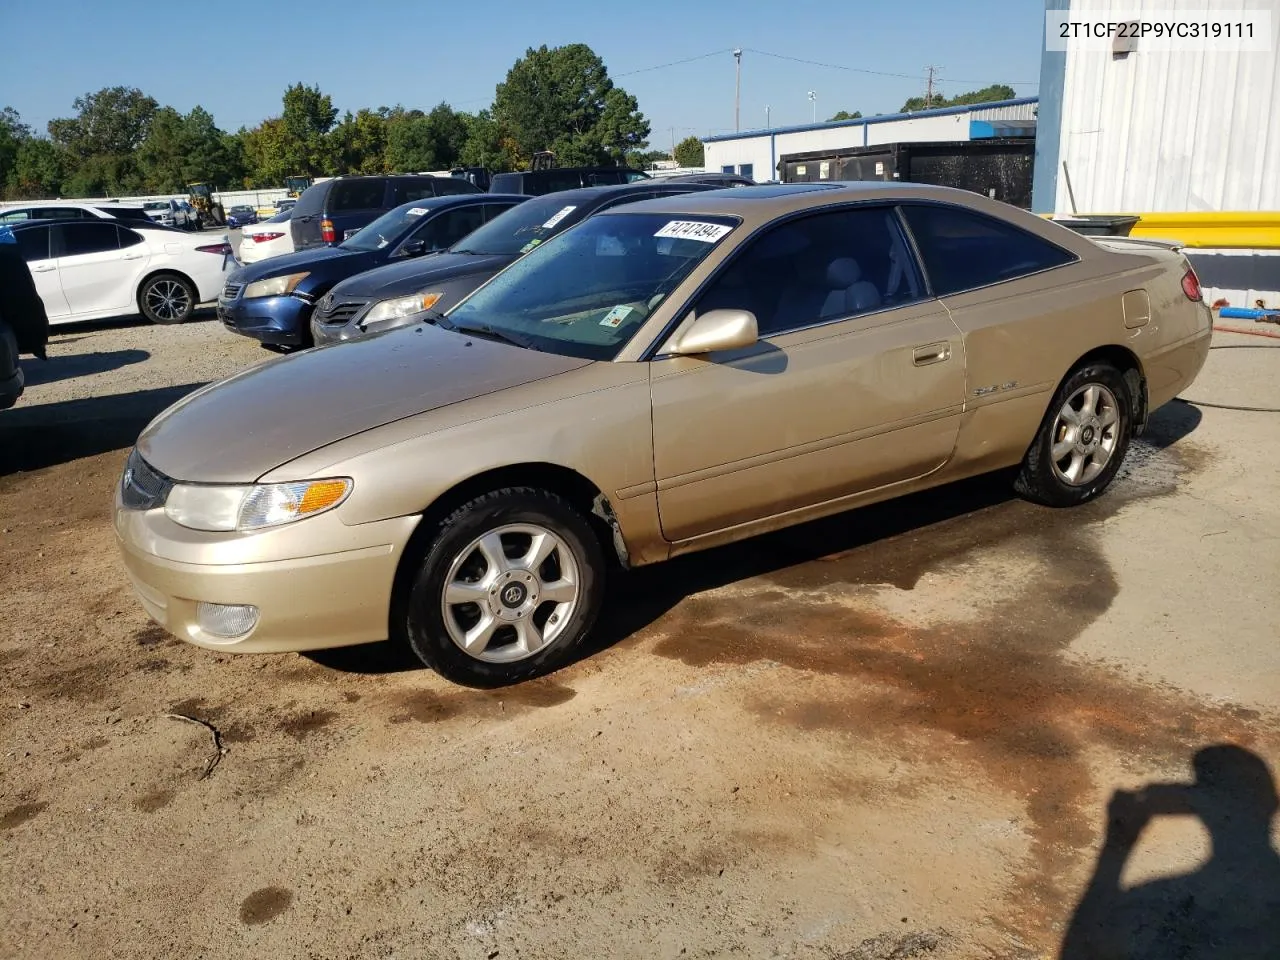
[
  {"x": 535, "y": 183},
  {"x": 329, "y": 212}
]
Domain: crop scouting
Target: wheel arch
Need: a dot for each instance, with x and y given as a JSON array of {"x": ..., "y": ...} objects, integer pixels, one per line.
[
  {"x": 574, "y": 487},
  {"x": 160, "y": 271},
  {"x": 1130, "y": 367}
]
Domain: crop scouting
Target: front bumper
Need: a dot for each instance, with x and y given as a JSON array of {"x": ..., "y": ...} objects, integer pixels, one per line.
[
  {"x": 309, "y": 601},
  {"x": 280, "y": 321}
]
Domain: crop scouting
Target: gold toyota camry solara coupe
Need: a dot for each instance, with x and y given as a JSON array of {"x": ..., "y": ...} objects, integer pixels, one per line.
[{"x": 664, "y": 377}]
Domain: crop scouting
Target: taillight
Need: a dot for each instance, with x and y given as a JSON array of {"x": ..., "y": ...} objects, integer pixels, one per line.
[
  {"x": 327, "y": 233},
  {"x": 219, "y": 248},
  {"x": 264, "y": 237},
  {"x": 1191, "y": 284}
]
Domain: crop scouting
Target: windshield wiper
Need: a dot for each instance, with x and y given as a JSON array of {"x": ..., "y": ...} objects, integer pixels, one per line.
[
  {"x": 492, "y": 334},
  {"x": 438, "y": 319}
]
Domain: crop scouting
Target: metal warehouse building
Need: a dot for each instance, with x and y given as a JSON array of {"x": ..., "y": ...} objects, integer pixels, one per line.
[
  {"x": 1187, "y": 139},
  {"x": 755, "y": 153}
]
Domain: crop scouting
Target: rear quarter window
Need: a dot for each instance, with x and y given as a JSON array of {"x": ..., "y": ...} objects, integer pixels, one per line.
[
  {"x": 963, "y": 250},
  {"x": 312, "y": 199},
  {"x": 506, "y": 183},
  {"x": 358, "y": 195}
]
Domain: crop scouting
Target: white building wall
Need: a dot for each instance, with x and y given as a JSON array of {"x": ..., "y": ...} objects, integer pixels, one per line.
[
  {"x": 1161, "y": 131},
  {"x": 755, "y": 148}
]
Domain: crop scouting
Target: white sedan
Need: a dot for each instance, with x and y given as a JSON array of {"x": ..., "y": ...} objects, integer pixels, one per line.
[
  {"x": 93, "y": 269},
  {"x": 269, "y": 238}
]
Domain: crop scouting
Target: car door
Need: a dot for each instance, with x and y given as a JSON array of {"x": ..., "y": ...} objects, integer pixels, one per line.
[
  {"x": 993, "y": 278},
  {"x": 857, "y": 380},
  {"x": 35, "y": 245},
  {"x": 96, "y": 274}
]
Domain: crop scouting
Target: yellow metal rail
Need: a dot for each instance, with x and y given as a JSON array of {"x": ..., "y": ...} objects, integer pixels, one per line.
[{"x": 1226, "y": 230}]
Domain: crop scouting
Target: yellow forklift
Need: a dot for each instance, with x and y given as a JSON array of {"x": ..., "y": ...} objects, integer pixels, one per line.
[
  {"x": 208, "y": 209},
  {"x": 295, "y": 185}
]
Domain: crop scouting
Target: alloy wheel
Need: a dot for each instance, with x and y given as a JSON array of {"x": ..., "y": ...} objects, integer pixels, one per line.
[
  {"x": 168, "y": 300},
  {"x": 1085, "y": 434},
  {"x": 510, "y": 592}
]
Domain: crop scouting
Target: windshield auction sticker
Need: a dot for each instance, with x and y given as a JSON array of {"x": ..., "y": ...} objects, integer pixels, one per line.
[
  {"x": 693, "y": 230},
  {"x": 564, "y": 212},
  {"x": 417, "y": 211}
]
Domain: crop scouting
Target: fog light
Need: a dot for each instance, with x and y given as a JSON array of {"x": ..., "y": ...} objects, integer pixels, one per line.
[{"x": 226, "y": 619}]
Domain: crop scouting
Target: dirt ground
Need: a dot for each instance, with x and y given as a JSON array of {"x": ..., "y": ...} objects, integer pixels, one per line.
[{"x": 891, "y": 734}]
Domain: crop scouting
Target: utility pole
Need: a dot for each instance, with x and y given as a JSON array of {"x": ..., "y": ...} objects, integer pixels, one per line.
[
  {"x": 928, "y": 93},
  {"x": 737, "y": 85},
  {"x": 673, "y": 144},
  {"x": 813, "y": 99},
  {"x": 767, "y": 124}
]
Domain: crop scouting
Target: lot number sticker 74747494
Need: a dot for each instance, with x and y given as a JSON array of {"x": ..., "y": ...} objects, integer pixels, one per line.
[{"x": 693, "y": 230}]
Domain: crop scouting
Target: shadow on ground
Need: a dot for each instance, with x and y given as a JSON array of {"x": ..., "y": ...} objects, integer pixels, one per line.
[
  {"x": 1229, "y": 907},
  {"x": 44, "y": 435},
  {"x": 56, "y": 368}
]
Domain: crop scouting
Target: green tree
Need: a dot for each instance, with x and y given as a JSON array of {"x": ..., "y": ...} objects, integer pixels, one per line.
[
  {"x": 490, "y": 144},
  {"x": 308, "y": 117},
  {"x": 561, "y": 99},
  {"x": 359, "y": 142},
  {"x": 181, "y": 150},
  {"x": 410, "y": 145},
  {"x": 13, "y": 133},
  {"x": 102, "y": 138},
  {"x": 689, "y": 152},
  {"x": 997, "y": 91},
  {"x": 39, "y": 169},
  {"x": 270, "y": 154},
  {"x": 846, "y": 115}
]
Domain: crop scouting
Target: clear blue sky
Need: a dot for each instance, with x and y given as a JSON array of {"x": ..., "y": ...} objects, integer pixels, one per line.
[{"x": 235, "y": 57}]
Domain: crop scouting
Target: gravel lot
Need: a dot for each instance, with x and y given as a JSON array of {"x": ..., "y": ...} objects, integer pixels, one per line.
[{"x": 887, "y": 735}]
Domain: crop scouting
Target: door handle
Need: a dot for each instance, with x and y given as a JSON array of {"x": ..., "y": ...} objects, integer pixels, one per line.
[
  {"x": 132, "y": 256},
  {"x": 931, "y": 353},
  {"x": 43, "y": 269}
]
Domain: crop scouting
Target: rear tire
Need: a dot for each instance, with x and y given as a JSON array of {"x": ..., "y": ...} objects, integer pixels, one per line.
[
  {"x": 510, "y": 587},
  {"x": 167, "y": 298},
  {"x": 1082, "y": 440}
]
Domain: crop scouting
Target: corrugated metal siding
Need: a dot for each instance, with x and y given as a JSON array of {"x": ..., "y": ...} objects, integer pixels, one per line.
[{"x": 1170, "y": 131}]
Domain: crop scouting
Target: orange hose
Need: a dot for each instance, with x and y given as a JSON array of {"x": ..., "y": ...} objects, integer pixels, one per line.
[{"x": 1273, "y": 334}]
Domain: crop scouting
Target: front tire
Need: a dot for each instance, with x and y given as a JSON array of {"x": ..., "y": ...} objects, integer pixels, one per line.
[
  {"x": 167, "y": 298},
  {"x": 1082, "y": 441},
  {"x": 511, "y": 585}
]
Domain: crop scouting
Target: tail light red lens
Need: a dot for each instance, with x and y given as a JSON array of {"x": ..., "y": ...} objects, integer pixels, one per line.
[
  {"x": 219, "y": 248},
  {"x": 264, "y": 237},
  {"x": 327, "y": 233},
  {"x": 1191, "y": 285}
]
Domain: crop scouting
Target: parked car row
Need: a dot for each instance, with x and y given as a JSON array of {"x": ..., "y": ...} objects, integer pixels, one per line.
[{"x": 630, "y": 377}]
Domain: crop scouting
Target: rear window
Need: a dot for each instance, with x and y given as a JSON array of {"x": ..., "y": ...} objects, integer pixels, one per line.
[{"x": 357, "y": 195}]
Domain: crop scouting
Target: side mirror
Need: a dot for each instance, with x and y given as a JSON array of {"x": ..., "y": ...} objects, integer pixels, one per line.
[
  {"x": 716, "y": 330},
  {"x": 414, "y": 248}
]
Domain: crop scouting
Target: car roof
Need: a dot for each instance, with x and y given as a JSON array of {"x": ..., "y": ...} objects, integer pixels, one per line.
[
  {"x": 448, "y": 200},
  {"x": 763, "y": 203},
  {"x": 586, "y": 195}
]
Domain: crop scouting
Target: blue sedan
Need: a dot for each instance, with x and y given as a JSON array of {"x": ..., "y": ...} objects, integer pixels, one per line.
[
  {"x": 241, "y": 217},
  {"x": 272, "y": 301}
]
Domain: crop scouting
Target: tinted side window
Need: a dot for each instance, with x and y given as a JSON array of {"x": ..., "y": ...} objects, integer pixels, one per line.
[
  {"x": 15, "y": 216},
  {"x": 492, "y": 210},
  {"x": 553, "y": 181},
  {"x": 450, "y": 227},
  {"x": 312, "y": 199},
  {"x": 506, "y": 183},
  {"x": 357, "y": 195},
  {"x": 402, "y": 191},
  {"x": 61, "y": 213},
  {"x": 825, "y": 267},
  {"x": 963, "y": 250},
  {"x": 87, "y": 236},
  {"x": 129, "y": 238},
  {"x": 33, "y": 243}
]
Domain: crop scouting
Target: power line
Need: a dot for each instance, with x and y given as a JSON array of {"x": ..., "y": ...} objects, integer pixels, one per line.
[{"x": 881, "y": 73}]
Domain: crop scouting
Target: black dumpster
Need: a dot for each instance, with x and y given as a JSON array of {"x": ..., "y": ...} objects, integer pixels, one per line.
[{"x": 1092, "y": 225}]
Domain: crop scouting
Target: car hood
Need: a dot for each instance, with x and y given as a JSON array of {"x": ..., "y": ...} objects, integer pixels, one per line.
[
  {"x": 400, "y": 279},
  {"x": 238, "y": 429},
  {"x": 291, "y": 263}
]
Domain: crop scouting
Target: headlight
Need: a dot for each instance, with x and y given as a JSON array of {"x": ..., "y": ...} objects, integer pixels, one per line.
[
  {"x": 401, "y": 307},
  {"x": 275, "y": 286},
  {"x": 252, "y": 506}
]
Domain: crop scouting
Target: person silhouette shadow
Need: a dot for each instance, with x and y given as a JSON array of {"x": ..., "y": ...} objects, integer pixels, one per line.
[{"x": 1229, "y": 908}]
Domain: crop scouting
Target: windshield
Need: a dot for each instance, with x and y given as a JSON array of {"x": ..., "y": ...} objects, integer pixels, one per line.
[
  {"x": 522, "y": 228},
  {"x": 156, "y": 205},
  {"x": 586, "y": 293},
  {"x": 387, "y": 229},
  {"x": 284, "y": 216}
]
